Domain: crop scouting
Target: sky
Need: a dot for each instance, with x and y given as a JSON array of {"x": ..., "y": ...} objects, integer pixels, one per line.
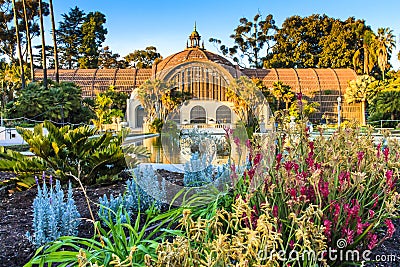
[{"x": 166, "y": 25}]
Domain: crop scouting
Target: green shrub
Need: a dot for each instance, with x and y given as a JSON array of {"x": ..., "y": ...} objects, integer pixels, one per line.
[
  {"x": 67, "y": 152},
  {"x": 58, "y": 102},
  {"x": 119, "y": 243}
]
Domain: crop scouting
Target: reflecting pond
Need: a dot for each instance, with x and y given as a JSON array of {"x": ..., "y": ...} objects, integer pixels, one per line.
[{"x": 174, "y": 154}]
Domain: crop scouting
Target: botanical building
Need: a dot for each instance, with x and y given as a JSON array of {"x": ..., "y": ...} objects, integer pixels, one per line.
[{"x": 206, "y": 75}]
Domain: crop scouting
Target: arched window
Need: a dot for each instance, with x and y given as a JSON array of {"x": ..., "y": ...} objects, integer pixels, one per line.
[
  {"x": 224, "y": 114},
  {"x": 198, "y": 115},
  {"x": 139, "y": 116}
]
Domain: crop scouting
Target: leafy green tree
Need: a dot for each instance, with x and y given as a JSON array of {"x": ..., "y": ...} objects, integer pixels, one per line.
[
  {"x": 69, "y": 37},
  {"x": 61, "y": 102},
  {"x": 303, "y": 108},
  {"x": 108, "y": 105},
  {"x": 297, "y": 42},
  {"x": 252, "y": 40},
  {"x": 316, "y": 41},
  {"x": 109, "y": 60},
  {"x": 361, "y": 90},
  {"x": 385, "y": 43},
  {"x": 143, "y": 59},
  {"x": 94, "y": 34},
  {"x": 340, "y": 42},
  {"x": 10, "y": 81}
]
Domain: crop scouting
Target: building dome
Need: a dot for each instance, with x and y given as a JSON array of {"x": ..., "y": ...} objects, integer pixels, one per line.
[{"x": 190, "y": 55}]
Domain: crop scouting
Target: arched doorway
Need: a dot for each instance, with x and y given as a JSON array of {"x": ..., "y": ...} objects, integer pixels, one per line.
[
  {"x": 224, "y": 114},
  {"x": 198, "y": 115},
  {"x": 139, "y": 116}
]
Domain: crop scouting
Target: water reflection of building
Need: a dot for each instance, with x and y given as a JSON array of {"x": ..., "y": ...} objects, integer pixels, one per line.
[{"x": 206, "y": 75}]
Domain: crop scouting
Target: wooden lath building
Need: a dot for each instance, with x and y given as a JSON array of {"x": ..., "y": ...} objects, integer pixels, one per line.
[{"x": 206, "y": 75}]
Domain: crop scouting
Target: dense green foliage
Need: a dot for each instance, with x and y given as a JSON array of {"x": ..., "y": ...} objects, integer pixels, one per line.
[
  {"x": 123, "y": 242},
  {"x": 80, "y": 37},
  {"x": 143, "y": 59},
  {"x": 70, "y": 37},
  {"x": 77, "y": 153},
  {"x": 110, "y": 60},
  {"x": 385, "y": 105},
  {"x": 60, "y": 102},
  {"x": 94, "y": 34},
  {"x": 316, "y": 41},
  {"x": 109, "y": 105}
]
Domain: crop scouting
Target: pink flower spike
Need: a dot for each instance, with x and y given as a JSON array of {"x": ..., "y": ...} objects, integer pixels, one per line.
[
  {"x": 257, "y": 159},
  {"x": 386, "y": 153},
  {"x": 360, "y": 156},
  {"x": 236, "y": 140},
  {"x": 291, "y": 245},
  {"x": 327, "y": 225},
  {"x": 390, "y": 228},
  {"x": 275, "y": 211},
  {"x": 299, "y": 96},
  {"x": 349, "y": 235},
  {"x": 371, "y": 214},
  {"x": 373, "y": 241}
]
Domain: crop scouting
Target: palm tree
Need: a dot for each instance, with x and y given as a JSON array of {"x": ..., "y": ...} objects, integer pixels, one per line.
[
  {"x": 366, "y": 53},
  {"x": 28, "y": 40},
  {"x": 282, "y": 91},
  {"x": 246, "y": 97},
  {"x": 388, "y": 101},
  {"x": 43, "y": 44},
  {"x": 152, "y": 95},
  {"x": 53, "y": 27},
  {"x": 385, "y": 43},
  {"x": 21, "y": 63},
  {"x": 359, "y": 90}
]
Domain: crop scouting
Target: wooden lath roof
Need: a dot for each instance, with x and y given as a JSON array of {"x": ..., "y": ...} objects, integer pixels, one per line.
[{"x": 318, "y": 85}]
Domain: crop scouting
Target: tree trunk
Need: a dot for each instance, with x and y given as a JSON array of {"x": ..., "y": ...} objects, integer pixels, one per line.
[
  {"x": 366, "y": 59},
  {"x": 28, "y": 39},
  {"x": 363, "y": 121},
  {"x": 43, "y": 45},
  {"x": 21, "y": 63},
  {"x": 53, "y": 27}
]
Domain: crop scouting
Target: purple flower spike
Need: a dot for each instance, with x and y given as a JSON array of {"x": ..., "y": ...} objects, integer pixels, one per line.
[
  {"x": 37, "y": 180},
  {"x": 51, "y": 179}
]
